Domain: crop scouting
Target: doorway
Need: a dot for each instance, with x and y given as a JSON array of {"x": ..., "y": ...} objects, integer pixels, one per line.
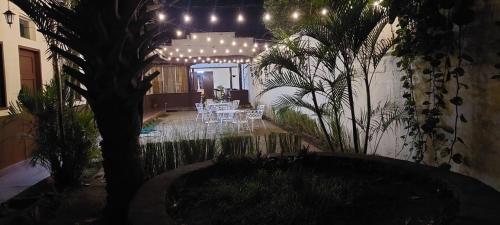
[
  {"x": 208, "y": 85},
  {"x": 29, "y": 63}
]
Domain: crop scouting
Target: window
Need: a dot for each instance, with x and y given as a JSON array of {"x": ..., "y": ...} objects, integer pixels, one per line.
[
  {"x": 3, "y": 99},
  {"x": 27, "y": 29}
]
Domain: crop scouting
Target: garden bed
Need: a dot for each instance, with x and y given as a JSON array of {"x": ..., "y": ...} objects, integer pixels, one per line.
[{"x": 326, "y": 189}]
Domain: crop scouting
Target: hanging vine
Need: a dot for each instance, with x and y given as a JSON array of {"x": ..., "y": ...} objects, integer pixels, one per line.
[{"x": 430, "y": 34}]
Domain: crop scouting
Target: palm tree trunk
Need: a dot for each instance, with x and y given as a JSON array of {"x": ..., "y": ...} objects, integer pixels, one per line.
[
  {"x": 321, "y": 122},
  {"x": 369, "y": 114},
  {"x": 351, "y": 106},
  {"x": 120, "y": 125},
  {"x": 339, "y": 130}
]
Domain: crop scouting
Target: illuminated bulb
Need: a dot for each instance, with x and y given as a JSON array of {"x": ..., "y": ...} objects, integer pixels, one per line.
[
  {"x": 169, "y": 58},
  {"x": 195, "y": 61},
  {"x": 164, "y": 49},
  {"x": 199, "y": 57},
  {"x": 234, "y": 43},
  {"x": 324, "y": 11},
  {"x": 266, "y": 46},
  {"x": 253, "y": 50},
  {"x": 240, "y": 18},
  {"x": 295, "y": 15},
  {"x": 214, "y": 51},
  {"x": 185, "y": 60},
  {"x": 208, "y": 58},
  {"x": 213, "y": 18},
  {"x": 195, "y": 36},
  {"x": 189, "y": 50},
  {"x": 181, "y": 55},
  {"x": 245, "y": 45},
  {"x": 190, "y": 57},
  {"x": 202, "y": 61},
  {"x": 240, "y": 51},
  {"x": 179, "y": 33},
  {"x": 221, "y": 41},
  {"x": 187, "y": 18},
  {"x": 177, "y": 59},
  {"x": 161, "y": 16},
  {"x": 171, "y": 53},
  {"x": 267, "y": 17},
  {"x": 177, "y": 50},
  {"x": 201, "y": 51},
  {"x": 255, "y": 45},
  {"x": 225, "y": 60},
  {"x": 209, "y": 39},
  {"x": 227, "y": 51}
]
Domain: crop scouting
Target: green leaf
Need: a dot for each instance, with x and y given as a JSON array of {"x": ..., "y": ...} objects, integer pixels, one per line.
[
  {"x": 462, "y": 118},
  {"x": 457, "y": 158},
  {"x": 457, "y": 101}
]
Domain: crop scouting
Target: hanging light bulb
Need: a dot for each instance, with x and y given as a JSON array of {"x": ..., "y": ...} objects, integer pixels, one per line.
[
  {"x": 190, "y": 57},
  {"x": 177, "y": 59},
  {"x": 181, "y": 55},
  {"x": 201, "y": 51},
  {"x": 233, "y": 43},
  {"x": 227, "y": 51},
  {"x": 324, "y": 11},
  {"x": 195, "y": 36},
  {"x": 169, "y": 58},
  {"x": 267, "y": 17},
  {"x": 255, "y": 45},
  {"x": 161, "y": 16},
  {"x": 266, "y": 46},
  {"x": 194, "y": 61},
  {"x": 295, "y": 15},
  {"x": 187, "y": 18},
  {"x": 240, "y": 51},
  {"x": 253, "y": 50},
  {"x": 245, "y": 45},
  {"x": 189, "y": 50},
  {"x": 171, "y": 53},
  {"x": 221, "y": 41},
  {"x": 178, "y": 33},
  {"x": 240, "y": 18},
  {"x": 164, "y": 48},
  {"x": 199, "y": 57},
  {"x": 209, "y": 39},
  {"x": 214, "y": 51},
  {"x": 213, "y": 18},
  {"x": 176, "y": 50}
]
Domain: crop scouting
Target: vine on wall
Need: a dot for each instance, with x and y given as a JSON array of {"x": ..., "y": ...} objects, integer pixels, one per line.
[{"x": 429, "y": 44}]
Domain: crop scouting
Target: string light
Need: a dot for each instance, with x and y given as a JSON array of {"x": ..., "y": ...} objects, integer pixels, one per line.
[
  {"x": 234, "y": 43},
  {"x": 195, "y": 36},
  {"x": 209, "y": 39},
  {"x": 295, "y": 15},
  {"x": 221, "y": 41},
  {"x": 267, "y": 17},
  {"x": 161, "y": 16},
  {"x": 187, "y": 18},
  {"x": 240, "y": 18},
  {"x": 201, "y": 51},
  {"x": 253, "y": 50},
  {"x": 164, "y": 48},
  {"x": 176, "y": 50},
  {"x": 227, "y": 51},
  {"x": 214, "y": 51},
  {"x": 255, "y": 45},
  {"x": 171, "y": 53},
  {"x": 213, "y": 18},
  {"x": 245, "y": 45},
  {"x": 240, "y": 51},
  {"x": 181, "y": 55},
  {"x": 324, "y": 11},
  {"x": 189, "y": 50},
  {"x": 179, "y": 33}
]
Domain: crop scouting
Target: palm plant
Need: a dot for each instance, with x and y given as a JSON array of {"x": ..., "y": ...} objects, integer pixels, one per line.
[
  {"x": 351, "y": 34},
  {"x": 290, "y": 65},
  {"x": 111, "y": 42}
]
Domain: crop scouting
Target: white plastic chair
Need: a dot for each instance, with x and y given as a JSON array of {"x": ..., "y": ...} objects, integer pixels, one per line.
[
  {"x": 235, "y": 104},
  {"x": 200, "y": 110},
  {"x": 257, "y": 114},
  {"x": 241, "y": 121}
]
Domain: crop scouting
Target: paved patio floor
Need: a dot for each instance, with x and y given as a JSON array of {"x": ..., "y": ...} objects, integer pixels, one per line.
[{"x": 18, "y": 177}]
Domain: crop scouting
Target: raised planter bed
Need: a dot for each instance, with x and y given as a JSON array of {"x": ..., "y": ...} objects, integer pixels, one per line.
[{"x": 476, "y": 203}]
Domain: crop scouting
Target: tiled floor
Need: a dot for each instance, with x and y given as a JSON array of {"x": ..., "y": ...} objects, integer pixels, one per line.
[{"x": 18, "y": 177}]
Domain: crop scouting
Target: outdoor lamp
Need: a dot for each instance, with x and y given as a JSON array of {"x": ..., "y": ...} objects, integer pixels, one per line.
[{"x": 9, "y": 15}]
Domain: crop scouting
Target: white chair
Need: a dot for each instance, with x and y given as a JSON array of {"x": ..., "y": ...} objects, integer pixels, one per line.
[
  {"x": 257, "y": 114},
  {"x": 241, "y": 121},
  {"x": 235, "y": 104},
  {"x": 200, "y": 110}
]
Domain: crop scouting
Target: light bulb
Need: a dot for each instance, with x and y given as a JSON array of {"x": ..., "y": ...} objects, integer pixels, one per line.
[
  {"x": 176, "y": 50},
  {"x": 171, "y": 53},
  {"x": 221, "y": 41},
  {"x": 181, "y": 55},
  {"x": 227, "y": 51},
  {"x": 240, "y": 51},
  {"x": 324, "y": 11},
  {"x": 177, "y": 59},
  {"x": 189, "y": 50},
  {"x": 245, "y": 45},
  {"x": 253, "y": 50},
  {"x": 161, "y": 16},
  {"x": 255, "y": 45},
  {"x": 195, "y": 36},
  {"x": 240, "y": 18},
  {"x": 234, "y": 43},
  {"x": 214, "y": 51},
  {"x": 267, "y": 17},
  {"x": 164, "y": 49},
  {"x": 179, "y": 33},
  {"x": 169, "y": 58},
  {"x": 209, "y": 39},
  {"x": 213, "y": 18},
  {"x": 190, "y": 57},
  {"x": 201, "y": 51},
  {"x": 295, "y": 15},
  {"x": 187, "y": 18}
]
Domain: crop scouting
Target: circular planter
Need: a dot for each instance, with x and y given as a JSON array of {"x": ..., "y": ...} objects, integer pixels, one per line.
[{"x": 479, "y": 204}]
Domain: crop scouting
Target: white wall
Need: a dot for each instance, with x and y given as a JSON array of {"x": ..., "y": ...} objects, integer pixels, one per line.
[
  {"x": 11, "y": 42},
  {"x": 385, "y": 86},
  {"x": 221, "y": 73}
]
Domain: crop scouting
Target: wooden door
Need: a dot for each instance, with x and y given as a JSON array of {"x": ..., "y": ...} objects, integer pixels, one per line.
[
  {"x": 29, "y": 63},
  {"x": 208, "y": 84}
]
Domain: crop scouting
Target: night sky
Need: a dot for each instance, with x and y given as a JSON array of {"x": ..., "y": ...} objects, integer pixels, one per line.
[{"x": 226, "y": 11}]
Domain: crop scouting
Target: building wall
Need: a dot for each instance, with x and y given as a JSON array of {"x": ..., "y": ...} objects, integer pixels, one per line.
[
  {"x": 13, "y": 147},
  {"x": 481, "y": 100}
]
